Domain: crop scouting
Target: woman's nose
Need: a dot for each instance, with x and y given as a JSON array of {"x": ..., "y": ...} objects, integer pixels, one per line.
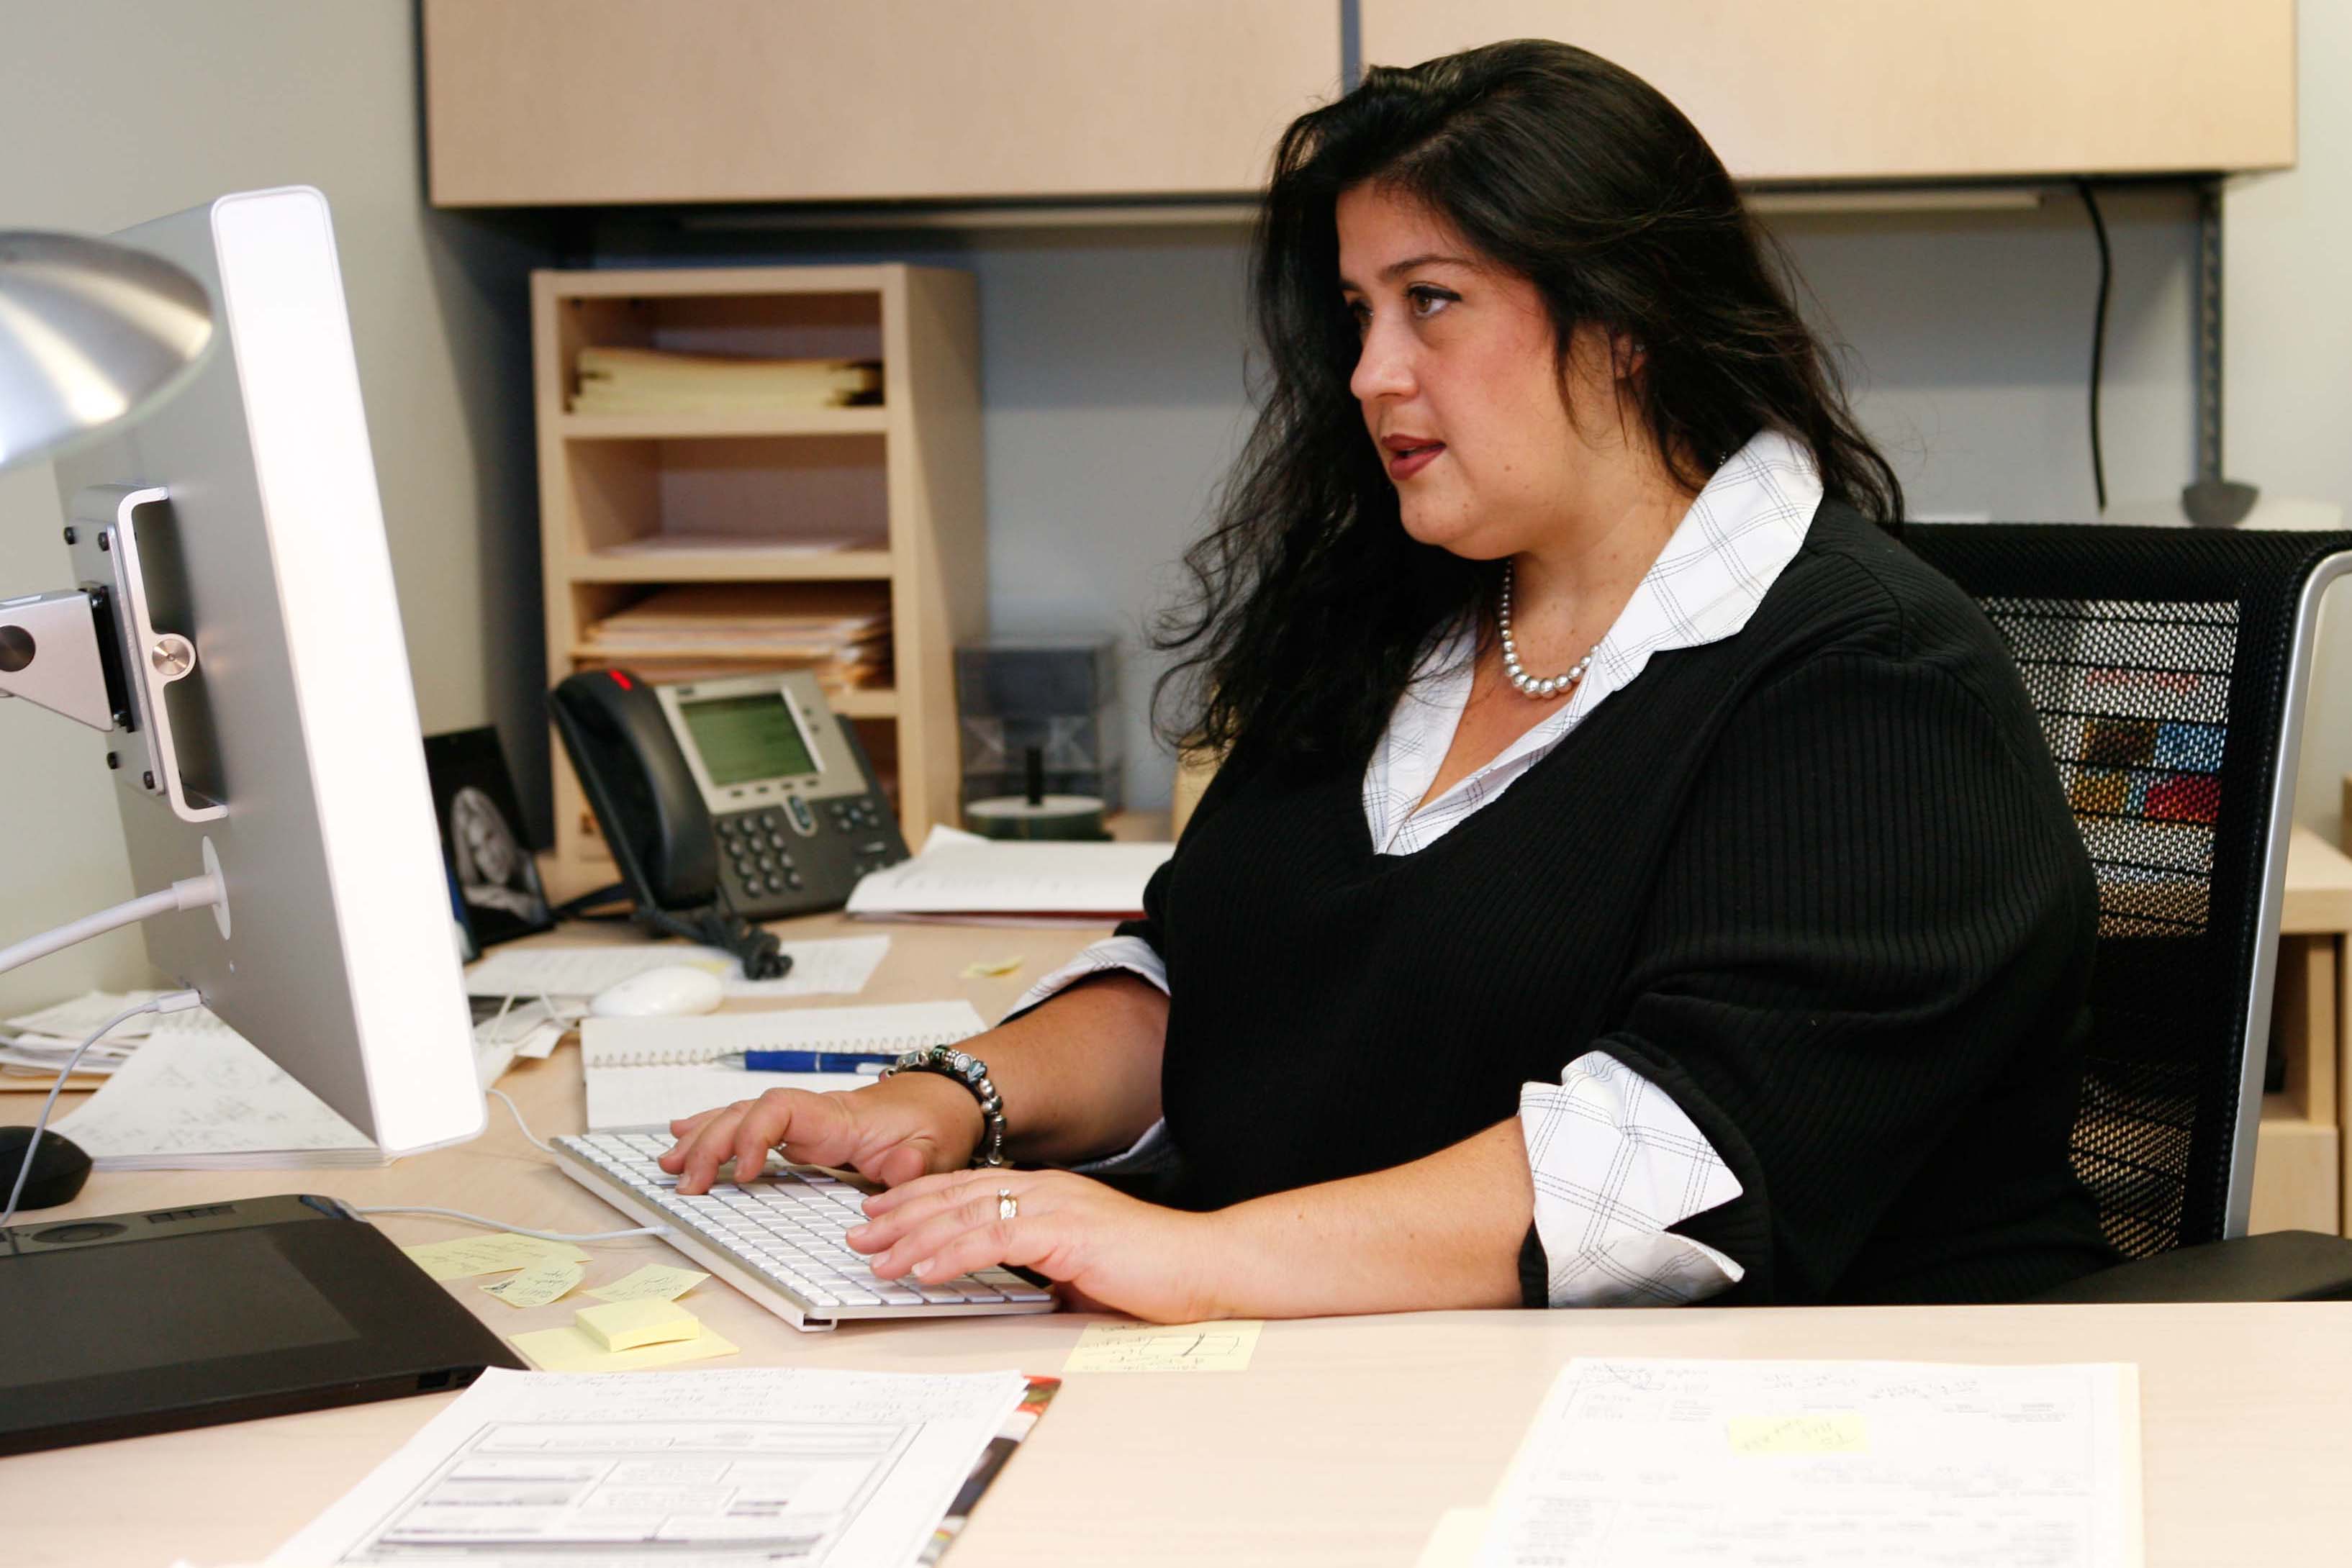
[{"x": 1384, "y": 366}]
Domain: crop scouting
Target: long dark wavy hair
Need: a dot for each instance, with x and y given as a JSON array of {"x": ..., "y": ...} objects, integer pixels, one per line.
[{"x": 1311, "y": 605}]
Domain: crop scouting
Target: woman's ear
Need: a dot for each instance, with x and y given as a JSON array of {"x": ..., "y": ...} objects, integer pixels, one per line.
[{"x": 1628, "y": 356}]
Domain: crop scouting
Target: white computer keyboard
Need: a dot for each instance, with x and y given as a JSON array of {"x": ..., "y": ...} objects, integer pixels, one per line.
[{"x": 778, "y": 1239}]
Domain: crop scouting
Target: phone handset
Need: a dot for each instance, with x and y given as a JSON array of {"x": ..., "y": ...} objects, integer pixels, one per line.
[{"x": 652, "y": 815}]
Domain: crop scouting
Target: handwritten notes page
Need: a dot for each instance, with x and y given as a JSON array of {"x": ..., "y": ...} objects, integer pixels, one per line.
[
  {"x": 842, "y": 964},
  {"x": 1677, "y": 1464},
  {"x": 658, "y": 1281},
  {"x": 1165, "y": 1347},
  {"x": 849, "y": 1469},
  {"x": 197, "y": 1096},
  {"x": 463, "y": 1256},
  {"x": 543, "y": 1281}
]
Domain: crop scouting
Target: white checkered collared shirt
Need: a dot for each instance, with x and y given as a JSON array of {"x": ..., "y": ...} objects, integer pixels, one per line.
[{"x": 1615, "y": 1160}]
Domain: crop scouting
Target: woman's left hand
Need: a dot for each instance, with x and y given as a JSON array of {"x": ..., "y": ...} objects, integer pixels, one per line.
[{"x": 1114, "y": 1250}]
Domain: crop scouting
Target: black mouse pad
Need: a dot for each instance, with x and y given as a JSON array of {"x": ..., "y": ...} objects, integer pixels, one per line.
[{"x": 124, "y": 1323}]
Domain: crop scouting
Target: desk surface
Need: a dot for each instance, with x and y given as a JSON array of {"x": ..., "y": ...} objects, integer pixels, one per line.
[
  {"x": 2319, "y": 885},
  {"x": 1342, "y": 1443}
]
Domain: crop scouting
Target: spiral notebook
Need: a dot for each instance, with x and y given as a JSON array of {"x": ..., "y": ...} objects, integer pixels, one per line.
[{"x": 648, "y": 1072}]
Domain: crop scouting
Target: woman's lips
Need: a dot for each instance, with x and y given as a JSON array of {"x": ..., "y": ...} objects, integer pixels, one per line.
[{"x": 1411, "y": 460}]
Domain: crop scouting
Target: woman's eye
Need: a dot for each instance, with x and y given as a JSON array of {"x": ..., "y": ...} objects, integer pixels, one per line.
[
  {"x": 1362, "y": 315},
  {"x": 1428, "y": 301}
]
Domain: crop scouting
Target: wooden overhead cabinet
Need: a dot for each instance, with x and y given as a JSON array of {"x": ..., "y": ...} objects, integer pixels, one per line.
[
  {"x": 594, "y": 102},
  {"x": 1879, "y": 90}
]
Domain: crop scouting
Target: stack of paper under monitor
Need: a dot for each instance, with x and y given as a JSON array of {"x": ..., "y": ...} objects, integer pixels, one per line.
[
  {"x": 838, "y": 630},
  {"x": 614, "y": 381}
]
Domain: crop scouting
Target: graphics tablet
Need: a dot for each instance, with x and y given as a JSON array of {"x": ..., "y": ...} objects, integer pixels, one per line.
[{"x": 119, "y": 1325}]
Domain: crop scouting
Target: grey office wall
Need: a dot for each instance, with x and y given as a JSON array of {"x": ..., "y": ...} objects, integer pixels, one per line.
[
  {"x": 1116, "y": 379},
  {"x": 119, "y": 110}
]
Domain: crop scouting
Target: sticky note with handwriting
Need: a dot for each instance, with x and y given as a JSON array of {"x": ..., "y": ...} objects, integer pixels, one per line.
[
  {"x": 1164, "y": 1347},
  {"x": 654, "y": 1280},
  {"x": 538, "y": 1284},
  {"x": 571, "y": 1349},
  {"x": 1799, "y": 1432},
  {"x": 471, "y": 1255}
]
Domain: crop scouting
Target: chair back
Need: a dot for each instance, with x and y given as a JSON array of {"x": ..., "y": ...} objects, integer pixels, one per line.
[{"x": 2169, "y": 668}]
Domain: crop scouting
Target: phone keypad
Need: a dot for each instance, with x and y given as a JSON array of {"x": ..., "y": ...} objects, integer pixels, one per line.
[
  {"x": 756, "y": 846},
  {"x": 802, "y": 852}
]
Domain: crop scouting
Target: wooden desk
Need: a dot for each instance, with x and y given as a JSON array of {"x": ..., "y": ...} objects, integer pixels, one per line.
[
  {"x": 1341, "y": 1444},
  {"x": 2302, "y": 1161}
]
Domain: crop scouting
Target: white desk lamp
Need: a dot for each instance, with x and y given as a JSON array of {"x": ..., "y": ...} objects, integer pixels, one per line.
[{"x": 90, "y": 333}]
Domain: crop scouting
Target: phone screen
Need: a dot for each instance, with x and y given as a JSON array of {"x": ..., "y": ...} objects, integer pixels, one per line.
[{"x": 746, "y": 738}]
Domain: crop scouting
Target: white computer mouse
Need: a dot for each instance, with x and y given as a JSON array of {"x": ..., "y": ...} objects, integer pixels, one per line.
[{"x": 666, "y": 992}]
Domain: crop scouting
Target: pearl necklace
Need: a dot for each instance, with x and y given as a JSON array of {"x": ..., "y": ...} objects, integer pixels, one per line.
[{"x": 1531, "y": 685}]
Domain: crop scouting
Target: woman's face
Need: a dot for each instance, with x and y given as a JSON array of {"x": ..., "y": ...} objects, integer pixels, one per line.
[{"x": 1459, "y": 380}]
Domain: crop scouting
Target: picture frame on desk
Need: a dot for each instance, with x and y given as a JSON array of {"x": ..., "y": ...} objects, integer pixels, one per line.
[{"x": 493, "y": 878}]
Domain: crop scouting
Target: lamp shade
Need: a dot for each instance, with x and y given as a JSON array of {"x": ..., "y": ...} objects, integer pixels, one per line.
[{"x": 90, "y": 333}]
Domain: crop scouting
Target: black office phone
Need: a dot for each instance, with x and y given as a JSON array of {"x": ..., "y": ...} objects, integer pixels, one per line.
[
  {"x": 120, "y": 1324},
  {"x": 745, "y": 790}
]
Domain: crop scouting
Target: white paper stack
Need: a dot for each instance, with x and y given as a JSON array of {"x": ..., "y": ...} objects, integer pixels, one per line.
[
  {"x": 965, "y": 879},
  {"x": 196, "y": 1095},
  {"x": 35, "y": 1045}
]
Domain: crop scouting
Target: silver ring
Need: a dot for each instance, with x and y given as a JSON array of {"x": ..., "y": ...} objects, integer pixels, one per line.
[{"x": 1007, "y": 1206}]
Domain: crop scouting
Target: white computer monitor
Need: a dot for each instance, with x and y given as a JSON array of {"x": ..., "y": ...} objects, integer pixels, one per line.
[{"x": 289, "y": 756}]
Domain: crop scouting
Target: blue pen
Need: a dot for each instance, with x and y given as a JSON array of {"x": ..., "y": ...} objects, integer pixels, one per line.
[{"x": 808, "y": 1060}]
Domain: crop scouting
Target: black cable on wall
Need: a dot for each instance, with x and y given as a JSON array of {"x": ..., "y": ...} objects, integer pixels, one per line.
[{"x": 2099, "y": 336}]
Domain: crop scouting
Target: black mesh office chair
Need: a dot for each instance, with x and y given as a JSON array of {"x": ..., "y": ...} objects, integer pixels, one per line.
[{"x": 2166, "y": 665}]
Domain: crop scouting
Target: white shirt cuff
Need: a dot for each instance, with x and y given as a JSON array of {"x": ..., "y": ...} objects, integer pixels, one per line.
[
  {"x": 1615, "y": 1162},
  {"x": 1152, "y": 1151},
  {"x": 1132, "y": 953}
]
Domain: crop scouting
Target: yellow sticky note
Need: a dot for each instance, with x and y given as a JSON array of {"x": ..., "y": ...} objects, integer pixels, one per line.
[
  {"x": 471, "y": 1255},
  {"x": 1162, "y": 1347},
  {"x": 1804, "y": 1432},
  {"x": 538, "y": 1284},
  {"x": 989, "y": 968},
  {"x": 659, "y": 1280},
  {"x": 648, "y": 1320},
  {"x": 572, "y": 1349}
]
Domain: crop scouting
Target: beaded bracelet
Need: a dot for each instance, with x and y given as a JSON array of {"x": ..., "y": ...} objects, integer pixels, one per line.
[{"x": 973, "y": 1073}]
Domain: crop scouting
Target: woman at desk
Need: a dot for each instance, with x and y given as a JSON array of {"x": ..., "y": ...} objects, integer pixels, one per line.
[{"x": 1633, "y": 877}]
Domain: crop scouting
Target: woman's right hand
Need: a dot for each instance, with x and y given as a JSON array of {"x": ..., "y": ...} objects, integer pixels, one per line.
[{"x": 891, "y": 1132}]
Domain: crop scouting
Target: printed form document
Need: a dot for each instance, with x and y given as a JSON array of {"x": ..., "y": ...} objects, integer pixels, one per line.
[
  {"x": 1846, "y": 1464},
  {"x": 758, "y": 1465}
]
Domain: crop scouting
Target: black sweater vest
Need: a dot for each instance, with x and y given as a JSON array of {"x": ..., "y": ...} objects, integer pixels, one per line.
[{"x": 1816, "y": 881}]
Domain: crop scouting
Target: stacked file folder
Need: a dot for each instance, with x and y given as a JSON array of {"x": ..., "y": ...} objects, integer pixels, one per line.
[
  {"x": 650, "y": 381},
  {"x": 839, "y": 632}
]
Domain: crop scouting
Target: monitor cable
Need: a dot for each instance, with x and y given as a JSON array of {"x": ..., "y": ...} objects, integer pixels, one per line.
[
  {"x": 537, "y": 1143},
  {"x": 169, "y": 1002},
  {"x": 188, "y": 893},
  {"x": 182, "y": 1002}
]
